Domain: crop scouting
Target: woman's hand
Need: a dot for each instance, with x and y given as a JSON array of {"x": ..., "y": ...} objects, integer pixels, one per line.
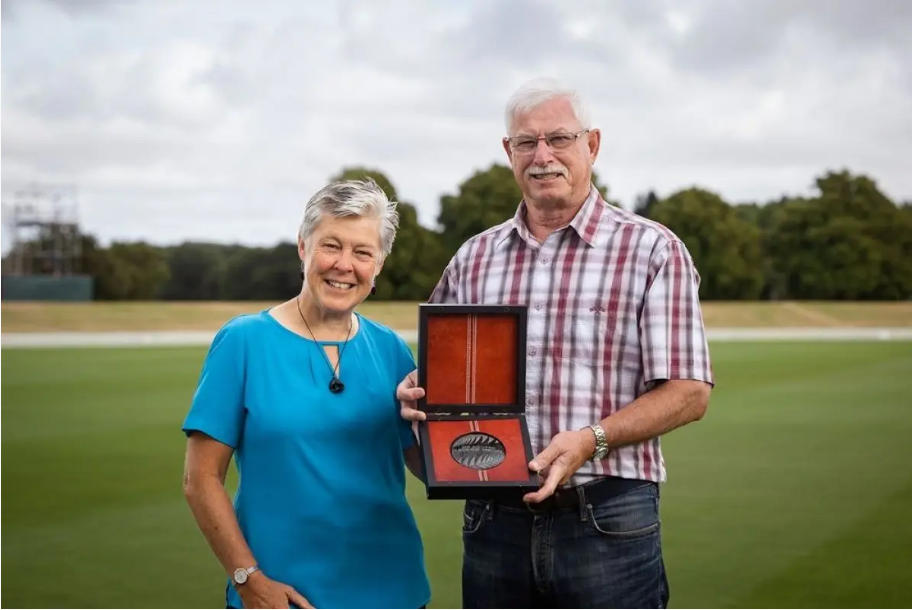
[
  {"x": 260, "y": 591},
  {"x": 408, "y": 394}
]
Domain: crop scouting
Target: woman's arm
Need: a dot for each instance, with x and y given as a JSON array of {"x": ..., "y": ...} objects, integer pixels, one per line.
[{"x": 204, "y": 487}]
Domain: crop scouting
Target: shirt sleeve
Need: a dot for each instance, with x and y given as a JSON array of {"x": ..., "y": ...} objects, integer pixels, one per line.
[
  {"x": 446, "y": 290},
  {"x": 671, "y": 330},
  {"x": 218, "y": 409},
  {"x": 405, "y": 364}
]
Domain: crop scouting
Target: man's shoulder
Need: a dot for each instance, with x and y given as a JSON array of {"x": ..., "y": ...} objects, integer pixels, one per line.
[
  {"x": 490, "y": 235},
  {"x": 649, "y": 232}
]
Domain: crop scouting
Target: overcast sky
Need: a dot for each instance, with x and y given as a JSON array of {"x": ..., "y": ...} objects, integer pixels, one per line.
[{"x": 217, "y": 120}]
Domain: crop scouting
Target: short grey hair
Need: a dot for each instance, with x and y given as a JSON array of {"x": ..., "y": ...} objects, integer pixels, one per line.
[
  {"x": 538, "y": 91},
  {"x": 352, "y": 198}
]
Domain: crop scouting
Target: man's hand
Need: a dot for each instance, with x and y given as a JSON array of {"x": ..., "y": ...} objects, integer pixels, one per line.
[
  {"x": 408, "y": 394},
  {"x": 558, "y": 461},
  {"x": 260, "y": 591}
]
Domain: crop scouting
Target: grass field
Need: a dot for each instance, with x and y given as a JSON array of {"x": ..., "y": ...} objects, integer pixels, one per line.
[
  {"x": 210, "y": 315},
  {"x": 794, "y": 491}
]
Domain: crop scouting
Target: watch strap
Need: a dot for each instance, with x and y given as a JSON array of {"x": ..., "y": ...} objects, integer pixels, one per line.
[
  {"x": 240, "y": 575},
  {"x": 601, "y": 442}
]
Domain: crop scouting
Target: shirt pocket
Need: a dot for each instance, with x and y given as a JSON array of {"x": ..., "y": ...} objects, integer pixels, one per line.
[{"x": 587, "y": 330}]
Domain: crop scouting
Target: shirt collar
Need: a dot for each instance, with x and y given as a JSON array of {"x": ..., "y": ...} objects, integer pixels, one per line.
[{"x": 585, "y": 222}]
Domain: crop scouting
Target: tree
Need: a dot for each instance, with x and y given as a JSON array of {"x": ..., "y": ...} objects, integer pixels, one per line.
[
  {"x": 197, "y": 271},
  {"x": 849, "y": 242},
  {"x": 412, "y": 269},
  {"x": 485, "y": 199},
  {"x": 264, "y": 274},
  {"x": 726, "y": 250},
  {"x": 127, "y": 270},
  {"x": 645, "y": 204}
]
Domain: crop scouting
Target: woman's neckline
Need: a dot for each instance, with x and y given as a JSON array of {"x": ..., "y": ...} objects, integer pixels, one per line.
[{"x": 268, "y": 314}]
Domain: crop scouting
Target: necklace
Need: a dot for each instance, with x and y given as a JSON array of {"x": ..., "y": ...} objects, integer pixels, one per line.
[{"x": 335, "y": 384}]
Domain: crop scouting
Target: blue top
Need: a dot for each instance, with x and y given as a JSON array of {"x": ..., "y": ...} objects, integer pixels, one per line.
[{"x": 321, "y": 499}]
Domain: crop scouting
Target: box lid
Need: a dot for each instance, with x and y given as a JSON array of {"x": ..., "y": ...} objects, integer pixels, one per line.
[{"x": 471, "y": 358}]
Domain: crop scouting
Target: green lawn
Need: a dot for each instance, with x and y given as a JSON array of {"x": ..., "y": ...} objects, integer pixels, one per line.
[{"x": 793, "y": 492}]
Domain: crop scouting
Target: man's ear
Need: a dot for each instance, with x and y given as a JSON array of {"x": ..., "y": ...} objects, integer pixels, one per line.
[{"x": 594, "y": 141}]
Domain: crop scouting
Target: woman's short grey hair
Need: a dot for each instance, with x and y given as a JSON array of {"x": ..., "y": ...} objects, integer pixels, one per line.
[
  {"x": 352, "y": 198},
  {"x": 539, "y": 91}
]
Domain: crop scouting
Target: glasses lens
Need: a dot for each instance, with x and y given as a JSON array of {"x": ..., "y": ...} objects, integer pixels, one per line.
[
  {"x": 561, "y": 140},
  {"x": 524, "y": 144}
]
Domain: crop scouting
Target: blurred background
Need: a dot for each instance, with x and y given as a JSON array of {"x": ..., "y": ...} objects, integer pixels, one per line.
[{"x": 156, "y": 157}]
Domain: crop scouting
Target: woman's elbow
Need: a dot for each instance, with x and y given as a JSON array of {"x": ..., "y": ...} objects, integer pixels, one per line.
[
  {"x": 193, "y": 486},
  {"x": 188, "y": 486}
]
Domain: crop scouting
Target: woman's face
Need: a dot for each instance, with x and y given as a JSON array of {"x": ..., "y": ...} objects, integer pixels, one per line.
[{"x": 341, "y": 258}]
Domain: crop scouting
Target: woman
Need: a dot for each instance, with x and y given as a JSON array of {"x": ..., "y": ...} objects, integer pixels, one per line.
[{"x": 303, "y": 395}]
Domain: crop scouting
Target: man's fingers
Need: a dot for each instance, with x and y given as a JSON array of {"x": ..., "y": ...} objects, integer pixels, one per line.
[
  {"x": 544, "y": 459},
  {"x": 409, "y": 394},
  {"x": 409, "y": 414},
  {"x": 548, "y": 487},
  {"x": 409, "y": 381}
]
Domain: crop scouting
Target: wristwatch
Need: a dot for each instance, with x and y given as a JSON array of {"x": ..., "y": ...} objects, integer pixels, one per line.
[
  {"x": 601, "y": 442},
  {"x": 240, "y": 575}
]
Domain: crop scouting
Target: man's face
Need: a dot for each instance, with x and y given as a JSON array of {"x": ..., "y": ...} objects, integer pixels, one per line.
[{"x": 551, "y": 178}]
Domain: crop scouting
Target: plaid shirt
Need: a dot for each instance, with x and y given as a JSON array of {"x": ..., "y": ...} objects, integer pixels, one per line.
[{"x": 613, "y": 307}]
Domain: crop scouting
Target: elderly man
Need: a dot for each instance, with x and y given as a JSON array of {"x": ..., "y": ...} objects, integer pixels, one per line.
[{"x": 617, "y": 356}]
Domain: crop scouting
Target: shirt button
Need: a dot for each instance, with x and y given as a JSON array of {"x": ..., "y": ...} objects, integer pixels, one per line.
[
  {"x": 538, "y": 307},
  {"x": 532, "y": 352},
  {"x": 545, "y": 260}
]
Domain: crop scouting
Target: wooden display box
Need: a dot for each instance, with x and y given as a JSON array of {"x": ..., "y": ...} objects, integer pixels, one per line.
[{"x": 472, "y": 365}]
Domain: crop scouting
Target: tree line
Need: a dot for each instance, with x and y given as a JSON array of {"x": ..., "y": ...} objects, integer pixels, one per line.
[{"x": 848, "y": 241}]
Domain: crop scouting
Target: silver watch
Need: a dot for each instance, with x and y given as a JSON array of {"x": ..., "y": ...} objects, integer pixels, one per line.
[
  {"x": 601, "y": 442},
  {"x": 240, "y": 575}
]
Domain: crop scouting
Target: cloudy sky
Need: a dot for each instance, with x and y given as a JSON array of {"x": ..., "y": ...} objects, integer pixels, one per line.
[{"x": 215, "y": 121}]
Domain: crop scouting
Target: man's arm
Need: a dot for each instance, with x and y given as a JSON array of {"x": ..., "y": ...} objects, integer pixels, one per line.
[{"x": 668, "y": 406}]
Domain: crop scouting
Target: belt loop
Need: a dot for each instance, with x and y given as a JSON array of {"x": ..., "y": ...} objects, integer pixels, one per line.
[
  {"x": 489, "y": 510},
  {"x": 581, "y": 494}
]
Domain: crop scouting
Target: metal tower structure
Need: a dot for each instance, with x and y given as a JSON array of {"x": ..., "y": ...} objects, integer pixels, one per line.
[{"x": 43, "y": 222}]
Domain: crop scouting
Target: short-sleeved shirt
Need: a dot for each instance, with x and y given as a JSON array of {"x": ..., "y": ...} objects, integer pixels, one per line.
[
  {"x": 612, "y": 310},
  {"x": 321, "y": 496}
]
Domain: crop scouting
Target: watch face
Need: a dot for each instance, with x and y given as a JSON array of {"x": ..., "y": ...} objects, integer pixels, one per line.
[{"x": 240, "y": 576}]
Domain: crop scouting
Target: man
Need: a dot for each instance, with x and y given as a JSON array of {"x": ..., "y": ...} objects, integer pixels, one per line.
[{"x": 617, "y": 356}]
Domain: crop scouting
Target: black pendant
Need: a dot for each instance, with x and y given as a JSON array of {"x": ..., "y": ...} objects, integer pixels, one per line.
[{"x": 336, "y": 385}]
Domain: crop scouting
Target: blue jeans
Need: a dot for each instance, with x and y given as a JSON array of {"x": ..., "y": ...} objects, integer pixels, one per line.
[{"x": 605, "y": 552}]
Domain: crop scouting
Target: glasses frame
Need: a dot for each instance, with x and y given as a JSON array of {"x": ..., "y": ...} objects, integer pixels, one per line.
[{"x": 512, "y": 141}]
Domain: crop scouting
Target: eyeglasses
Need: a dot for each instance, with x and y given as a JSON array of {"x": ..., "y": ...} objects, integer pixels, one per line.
[{"x": 560, "y": 140}]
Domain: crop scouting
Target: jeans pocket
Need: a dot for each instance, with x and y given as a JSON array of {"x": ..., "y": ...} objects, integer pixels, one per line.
[
  {"x": 630, "y": 515},
  {"x": 473, "y": 516}
]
